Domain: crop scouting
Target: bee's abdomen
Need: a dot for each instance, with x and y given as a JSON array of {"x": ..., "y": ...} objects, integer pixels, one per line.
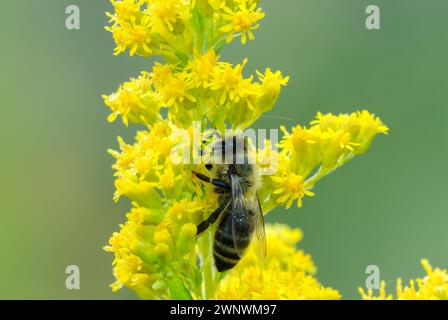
[{"x": 224, "y": 250}]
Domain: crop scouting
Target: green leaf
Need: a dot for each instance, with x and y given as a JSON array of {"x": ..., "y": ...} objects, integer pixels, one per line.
[
  {"x": 178, "y": 291},
  {"x": 198, "y": 22}
]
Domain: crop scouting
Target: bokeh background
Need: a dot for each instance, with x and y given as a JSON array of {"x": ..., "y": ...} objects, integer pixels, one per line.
[{"x": 387, "y": 207}]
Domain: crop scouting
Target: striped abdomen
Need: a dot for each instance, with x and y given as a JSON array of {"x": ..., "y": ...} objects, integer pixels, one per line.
[{"x": 226, "y": 254}]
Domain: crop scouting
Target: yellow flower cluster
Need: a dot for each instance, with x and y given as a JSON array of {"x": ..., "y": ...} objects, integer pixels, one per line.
[
  {"x": 434, "y": 286},
  {"x": 285, "y": 273},
  {"x": 176, "y": 28},
  {"x": 308, "y": 154},
  {"x": 135, "y": 101},
  {"x": 157, "y": 253},
  {"x": 205, "y": 90},
  {"x": 193, "y": 82}
]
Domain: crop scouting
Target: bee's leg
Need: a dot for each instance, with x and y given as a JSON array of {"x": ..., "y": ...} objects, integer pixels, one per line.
[
  {"x": 213, "y": 217},
  {"x": 216, "y": 182}
]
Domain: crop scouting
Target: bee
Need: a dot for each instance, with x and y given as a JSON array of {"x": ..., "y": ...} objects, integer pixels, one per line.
[{"x": 239, "y": 215}]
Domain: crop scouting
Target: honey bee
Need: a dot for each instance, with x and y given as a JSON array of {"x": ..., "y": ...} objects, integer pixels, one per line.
[{"x": 239, "y": 214}]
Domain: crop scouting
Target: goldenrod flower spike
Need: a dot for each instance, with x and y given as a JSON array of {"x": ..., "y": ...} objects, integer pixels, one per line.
[{"x": 157, "y": 253}]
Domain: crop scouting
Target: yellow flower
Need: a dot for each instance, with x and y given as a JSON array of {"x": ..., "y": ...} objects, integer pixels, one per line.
[
  {"x": 303, "y": 147},
  {"x": 125, "y": 10},
  {"x": 141, "y": 215},
  {"x": 135, "y": 101},
  {"x": 273, "y": 79},
  {"x": 134, "y": 35},
  {"x": 337, "y": 143},
  {"x": 140, "y": 37},
  {"x": 242, "y": 20},
  {"x": 185, "y": 211},
  {"x": 231, "y": 85},
  {"x": 271, "y": 83},
  {"x": 174, "y": 90},
  {"x": 166, "y": 12},
  {"x": 202, "y": 68},
  {"x": 167, "y": 177},
  {"x": 161, "y": 72},
  {"x": 125, "y": 240},
  {"x": 126, "y": 271},
  {"x": 290, "y": 187}
]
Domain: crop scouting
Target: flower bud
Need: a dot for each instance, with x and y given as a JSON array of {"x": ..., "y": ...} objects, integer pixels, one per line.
[{"x": 186, "y": 240}]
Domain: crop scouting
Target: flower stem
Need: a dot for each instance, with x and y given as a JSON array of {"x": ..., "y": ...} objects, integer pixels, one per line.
[
  {"x": 322, "y": 172},
  {"x": 209, "y": 282}
]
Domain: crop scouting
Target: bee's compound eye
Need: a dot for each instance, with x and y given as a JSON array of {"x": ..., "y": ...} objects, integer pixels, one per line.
[{"x": 208, "y": 166}]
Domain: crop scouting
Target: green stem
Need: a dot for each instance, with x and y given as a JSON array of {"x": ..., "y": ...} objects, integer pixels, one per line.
[
  {"x": 309, "y": 183},
  {"x": 209, "y": 281},
  {"x": 322, "y": 172}
]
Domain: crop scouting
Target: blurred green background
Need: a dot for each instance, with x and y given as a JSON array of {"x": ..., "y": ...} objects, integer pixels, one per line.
[{"x": 386, "y": 207}]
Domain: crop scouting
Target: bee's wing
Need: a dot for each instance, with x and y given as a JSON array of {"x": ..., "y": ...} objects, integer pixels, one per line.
[
  {"x": 259, "y": 228},
  {"x": 246, "y": 216},
  {"x": 241, "y": 217}
]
